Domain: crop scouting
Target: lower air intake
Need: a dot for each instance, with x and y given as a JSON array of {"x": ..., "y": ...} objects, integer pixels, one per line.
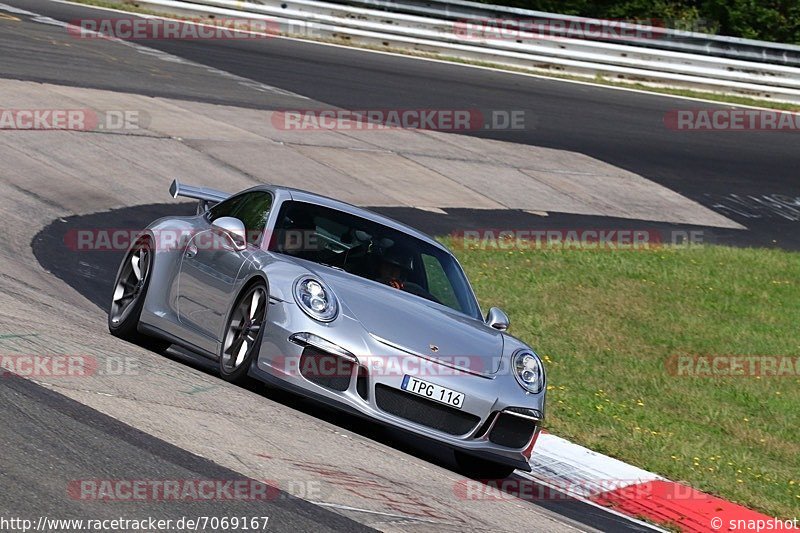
[
  {"x": 325, "y": 369},
  {"x": 512, "y": 431}
]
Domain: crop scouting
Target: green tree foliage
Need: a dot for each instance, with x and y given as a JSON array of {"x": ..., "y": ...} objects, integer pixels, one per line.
[{"x": 769, "y": 20}]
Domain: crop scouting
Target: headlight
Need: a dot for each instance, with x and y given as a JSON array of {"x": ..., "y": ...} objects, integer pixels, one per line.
[
  {"x": 315, "y": 298},
  {"x": 528, "y": 370}
]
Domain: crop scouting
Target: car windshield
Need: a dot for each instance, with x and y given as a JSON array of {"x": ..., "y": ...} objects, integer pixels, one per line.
[{"x": 373, "y": 251}]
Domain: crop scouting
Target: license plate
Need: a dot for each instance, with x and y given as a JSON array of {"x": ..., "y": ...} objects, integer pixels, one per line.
[{"x": 433, "y": 391}]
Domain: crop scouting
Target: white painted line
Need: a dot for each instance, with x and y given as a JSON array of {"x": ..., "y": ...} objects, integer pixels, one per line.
[{"x": 17, "y": 11}]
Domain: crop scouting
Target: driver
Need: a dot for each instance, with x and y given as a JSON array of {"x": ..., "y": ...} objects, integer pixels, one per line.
[{"x": 394, "y": 268}]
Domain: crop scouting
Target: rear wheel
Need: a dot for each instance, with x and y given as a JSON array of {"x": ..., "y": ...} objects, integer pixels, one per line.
[
  {"x": 478, "y": 468},
  {"x": 130, "y": 289},
  {"x": 243, "y": 333}
]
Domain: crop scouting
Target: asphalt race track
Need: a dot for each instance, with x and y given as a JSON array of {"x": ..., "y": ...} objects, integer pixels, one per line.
[
  {"x": 624, "y": 129},
  {"x": 43, "y": 428},
  {"x": 170, "y": 417}
]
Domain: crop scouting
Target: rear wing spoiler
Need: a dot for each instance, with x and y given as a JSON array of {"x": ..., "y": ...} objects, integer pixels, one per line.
[{"x": 208, "y": 197}]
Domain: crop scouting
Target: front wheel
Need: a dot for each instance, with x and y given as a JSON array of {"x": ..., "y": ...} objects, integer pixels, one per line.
[
  {"x": 477, "y": 468},
  {"x": 243, "y": 333},
  {"x": 130, "y": 289}
]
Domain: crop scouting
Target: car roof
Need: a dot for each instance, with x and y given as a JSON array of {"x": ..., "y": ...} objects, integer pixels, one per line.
[{"x": 301, "y": 195}]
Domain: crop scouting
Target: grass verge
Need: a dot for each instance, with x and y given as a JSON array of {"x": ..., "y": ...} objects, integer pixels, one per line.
[
  {"x": 607, "y": 323},
  {"x": 132, "y": 7}
]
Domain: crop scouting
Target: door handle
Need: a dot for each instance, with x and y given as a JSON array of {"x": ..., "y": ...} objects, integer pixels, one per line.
[{"x": 191, "y": 251}]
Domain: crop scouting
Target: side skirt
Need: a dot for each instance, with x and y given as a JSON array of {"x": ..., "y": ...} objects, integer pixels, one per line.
[{"x": 161, "y": 334}]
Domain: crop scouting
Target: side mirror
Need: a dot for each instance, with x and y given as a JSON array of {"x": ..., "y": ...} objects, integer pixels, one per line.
[
  {"x": 497, "y": 319},
  {"x": 233, "y": 228}
]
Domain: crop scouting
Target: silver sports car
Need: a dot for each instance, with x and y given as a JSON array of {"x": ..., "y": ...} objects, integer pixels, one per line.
[{"x": 339, "y": 304}]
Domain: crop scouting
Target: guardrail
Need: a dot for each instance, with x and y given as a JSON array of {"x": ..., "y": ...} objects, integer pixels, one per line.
[
  {"x": 450, "y": 35},
  {"x": 676, "y": 40}
]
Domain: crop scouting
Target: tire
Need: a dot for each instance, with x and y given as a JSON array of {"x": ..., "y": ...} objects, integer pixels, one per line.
[
  {"x": 243, "y": 333},
  {"x": 477, "y": 468},
  {"x": 130, "y": 289}
]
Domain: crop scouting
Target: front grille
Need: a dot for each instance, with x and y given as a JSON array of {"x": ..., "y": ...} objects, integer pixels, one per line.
[
  {"x": 325, "y": 369},
  {"x": 424, "y": 412},
  {"x": 512, "y": 431}
]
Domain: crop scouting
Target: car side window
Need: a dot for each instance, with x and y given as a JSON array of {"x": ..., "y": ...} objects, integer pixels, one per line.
[
  {"x": 226, "y": 208},
  {"x": 251, "y": 208},
  {"x": 438, "y": 284},
  {"x": 253, "y": 213}
]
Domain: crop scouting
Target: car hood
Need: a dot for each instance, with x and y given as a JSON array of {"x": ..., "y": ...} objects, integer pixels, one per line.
[{"x": 415, "y": 325}]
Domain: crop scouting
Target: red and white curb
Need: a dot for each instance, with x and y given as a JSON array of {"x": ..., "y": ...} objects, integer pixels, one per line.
[{"x": 590, "y": 476}]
